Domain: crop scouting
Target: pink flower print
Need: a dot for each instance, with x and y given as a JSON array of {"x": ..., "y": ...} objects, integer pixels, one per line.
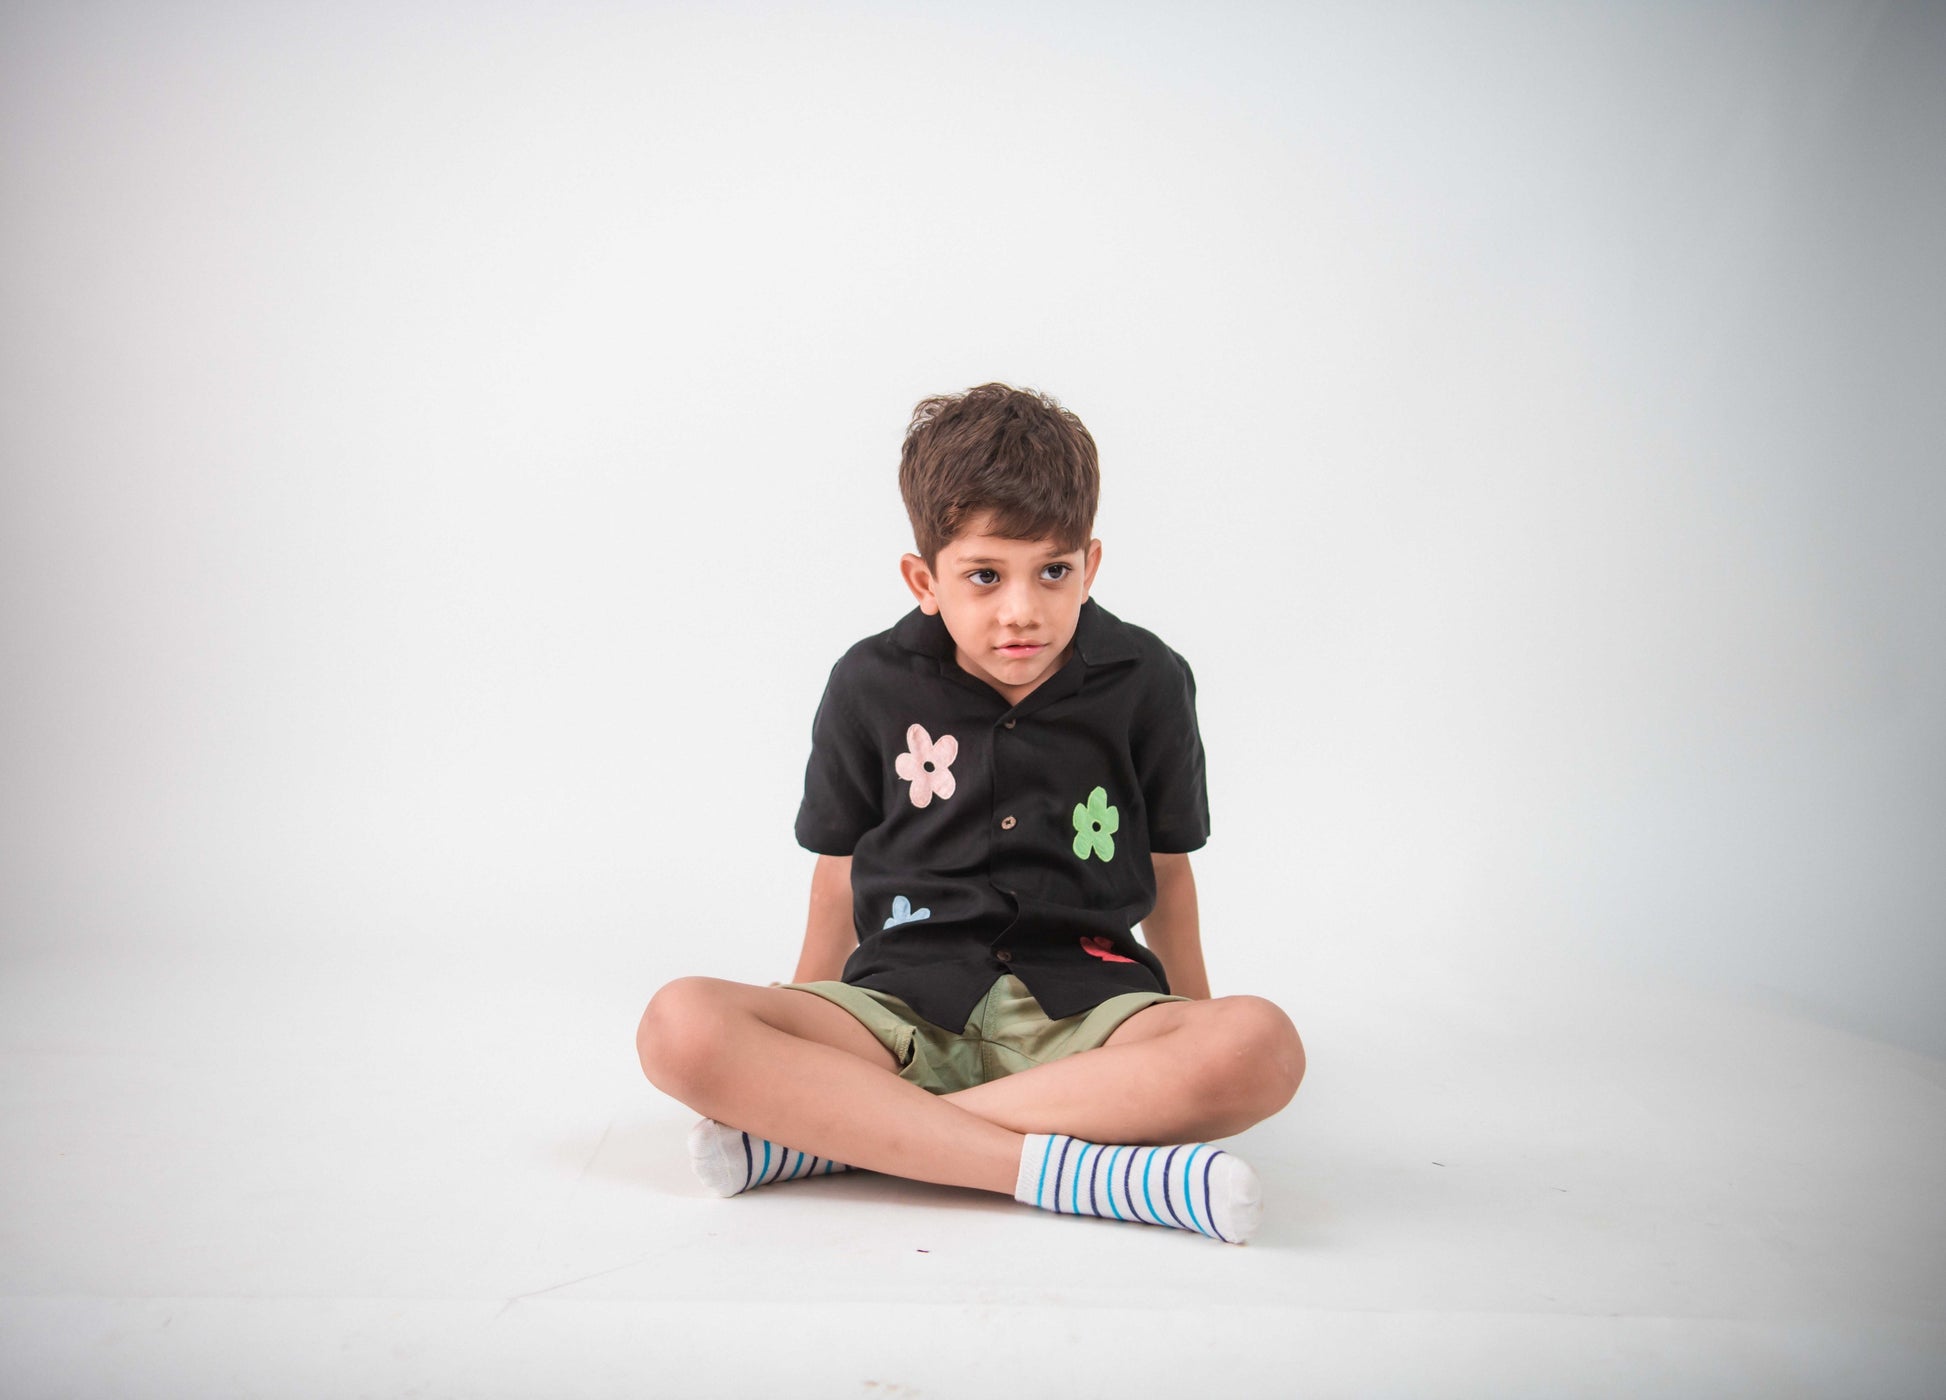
[{"x": 928, "y": 765}]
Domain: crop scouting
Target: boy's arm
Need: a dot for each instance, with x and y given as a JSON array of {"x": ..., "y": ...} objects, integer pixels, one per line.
[
  {"x": 829, "y": 935},
  {"x": 1171, "y": 929}
]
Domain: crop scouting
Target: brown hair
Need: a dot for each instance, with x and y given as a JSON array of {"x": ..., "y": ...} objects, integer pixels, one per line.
[{"x": 1015, "y": 453}]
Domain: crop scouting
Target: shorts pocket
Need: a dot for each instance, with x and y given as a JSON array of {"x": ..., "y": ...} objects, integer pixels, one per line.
[{"x": 905, "y": 1045}]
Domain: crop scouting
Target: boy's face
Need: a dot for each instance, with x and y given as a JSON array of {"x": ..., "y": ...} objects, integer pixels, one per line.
[{"x": 1010, "y": 605}]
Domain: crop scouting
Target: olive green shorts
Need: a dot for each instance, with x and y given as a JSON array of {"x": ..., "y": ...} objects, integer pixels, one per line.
[{"x": 1006, "y": 1033}]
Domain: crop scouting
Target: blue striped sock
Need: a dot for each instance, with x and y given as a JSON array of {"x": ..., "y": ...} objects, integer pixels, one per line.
[
  {"x": 731, "y": 1161},
  {"x": 1188, "y": 1186}
]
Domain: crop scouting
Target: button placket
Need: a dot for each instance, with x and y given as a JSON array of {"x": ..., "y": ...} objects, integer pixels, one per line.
[{"x": 1002, "y": 957}]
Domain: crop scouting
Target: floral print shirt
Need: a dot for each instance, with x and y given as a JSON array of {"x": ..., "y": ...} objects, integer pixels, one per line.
[{"x": 988, "y": 837}]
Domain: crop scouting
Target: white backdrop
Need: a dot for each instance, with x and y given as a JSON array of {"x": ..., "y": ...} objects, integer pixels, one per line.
[{"x": 445, "y": 447}]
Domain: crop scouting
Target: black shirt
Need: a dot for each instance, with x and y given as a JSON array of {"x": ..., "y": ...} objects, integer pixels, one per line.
[{"x": 988, "y": 837}]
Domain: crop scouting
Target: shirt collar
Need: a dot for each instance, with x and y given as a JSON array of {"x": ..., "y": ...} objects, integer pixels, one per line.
[{"x": 1099, "y": 635}]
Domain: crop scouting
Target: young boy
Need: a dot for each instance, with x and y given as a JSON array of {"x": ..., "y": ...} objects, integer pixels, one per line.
[{"x": 1000, "y": 788}]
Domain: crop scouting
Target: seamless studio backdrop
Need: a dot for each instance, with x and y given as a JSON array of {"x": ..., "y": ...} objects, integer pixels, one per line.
[{"x": 445, "y": 448}]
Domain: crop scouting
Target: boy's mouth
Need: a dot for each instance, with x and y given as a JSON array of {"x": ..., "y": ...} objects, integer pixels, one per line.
[{"x": 1021, "y": 648}]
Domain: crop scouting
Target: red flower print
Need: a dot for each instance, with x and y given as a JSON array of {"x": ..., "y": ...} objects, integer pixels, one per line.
[{"x": 1097, "y": 946}]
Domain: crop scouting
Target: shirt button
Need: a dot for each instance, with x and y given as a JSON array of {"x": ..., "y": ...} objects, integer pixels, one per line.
[
  {"x": 1004, "y": 954},
  {"x": 1010, "y": 724},
  {"x": 1006, "y": 823}
]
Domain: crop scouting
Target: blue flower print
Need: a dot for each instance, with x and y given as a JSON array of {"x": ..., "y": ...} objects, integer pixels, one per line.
[{"x": 904, "y": 913}]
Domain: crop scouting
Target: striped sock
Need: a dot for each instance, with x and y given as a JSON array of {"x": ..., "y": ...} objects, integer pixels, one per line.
[
  {"x": 1190, "y": 1186},
  {"x": 731, "y": 1161}
]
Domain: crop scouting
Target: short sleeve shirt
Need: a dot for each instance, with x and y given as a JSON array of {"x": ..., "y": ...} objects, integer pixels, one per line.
[{"x": 988, "y": 837}]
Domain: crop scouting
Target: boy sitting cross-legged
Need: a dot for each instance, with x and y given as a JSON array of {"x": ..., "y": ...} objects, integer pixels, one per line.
[{"x": 1001, "y": 787}]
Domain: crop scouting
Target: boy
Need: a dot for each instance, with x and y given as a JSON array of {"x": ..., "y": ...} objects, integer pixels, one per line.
[{"x": 1000, "y": 788}]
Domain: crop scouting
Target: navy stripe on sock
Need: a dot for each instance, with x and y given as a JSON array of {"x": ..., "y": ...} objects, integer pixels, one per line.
[
  {"x": 749, "y": 1166},
  {"x": 1094, "y": 1207},
  {"x": 1209, "y": 1214},
  {"x": 1189, "y": 1195},
  {"x": 1128, "y": 1178},
  {"x": 1059, "y": 1167},
  {"x": 1166, "y": 1204}
]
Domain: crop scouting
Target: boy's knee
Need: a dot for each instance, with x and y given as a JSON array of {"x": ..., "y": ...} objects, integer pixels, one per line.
[
  {"x": 675, "y": 1037},
  {"x": 1263, "y": 1058}
]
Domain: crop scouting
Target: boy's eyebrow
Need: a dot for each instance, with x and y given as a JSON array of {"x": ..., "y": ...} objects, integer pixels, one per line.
[{"x": 984, "y": 559}]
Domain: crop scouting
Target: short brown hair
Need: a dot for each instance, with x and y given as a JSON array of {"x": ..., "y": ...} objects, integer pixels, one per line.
[{"x": 1014, "y": 453}]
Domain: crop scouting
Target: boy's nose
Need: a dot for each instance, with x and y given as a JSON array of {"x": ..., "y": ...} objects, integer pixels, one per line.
[{"x": 1017, "y": 606}]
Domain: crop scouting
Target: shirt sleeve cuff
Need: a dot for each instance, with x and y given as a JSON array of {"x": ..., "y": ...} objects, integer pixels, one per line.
[{"x": 826, "y": 842}]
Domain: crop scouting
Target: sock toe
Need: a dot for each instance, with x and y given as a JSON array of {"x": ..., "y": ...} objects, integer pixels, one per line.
[
  {"x": 1237, "y": 1198},
  {"x": 710, "y": 1154}
]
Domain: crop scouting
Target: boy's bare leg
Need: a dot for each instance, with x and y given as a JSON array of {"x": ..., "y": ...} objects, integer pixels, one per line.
[
  {"x": 1178, "y": 1071},
  {"x": 798, "y": 1069}
]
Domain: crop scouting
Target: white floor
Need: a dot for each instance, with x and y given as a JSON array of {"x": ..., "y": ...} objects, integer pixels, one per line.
[{"x": 236, "y": 1177}]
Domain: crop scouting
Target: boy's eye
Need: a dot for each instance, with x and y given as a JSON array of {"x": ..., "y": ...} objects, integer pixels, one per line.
[
  {"x": 1065, "y": 570},
  {"x": 984, "y": 576}
]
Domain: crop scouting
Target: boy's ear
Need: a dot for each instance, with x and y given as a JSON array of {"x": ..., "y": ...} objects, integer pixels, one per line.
[
  {"x": 1088, "y": 572},
  {"x": 920, "y": 580}
]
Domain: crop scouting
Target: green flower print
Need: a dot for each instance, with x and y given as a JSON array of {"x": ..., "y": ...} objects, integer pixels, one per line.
[{"x": 1095, "y": 826}]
